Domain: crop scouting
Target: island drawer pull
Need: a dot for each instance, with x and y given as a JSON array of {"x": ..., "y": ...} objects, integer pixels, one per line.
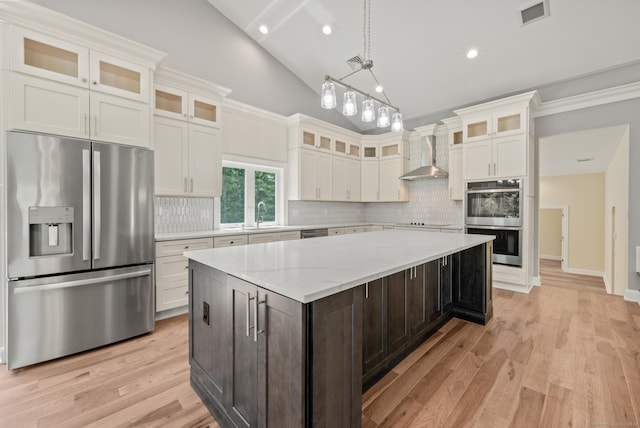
[
  {"x": 248, "y": 314},
  {"x": 366, "y": 290},
  {"x": 256, "y": 331}
]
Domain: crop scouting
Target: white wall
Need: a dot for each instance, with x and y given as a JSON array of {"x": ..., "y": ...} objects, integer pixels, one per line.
[
  {"x": 616, "y": 195},
  {"x": 202, "y": 42},
  {"x": 584, "y": 195},
  {"x": 611, "y": 114},
  {"x": 550, "y": 232}
]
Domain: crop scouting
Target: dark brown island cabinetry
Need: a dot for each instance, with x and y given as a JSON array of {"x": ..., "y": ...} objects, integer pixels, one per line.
[{"x": 259, "y": 359}]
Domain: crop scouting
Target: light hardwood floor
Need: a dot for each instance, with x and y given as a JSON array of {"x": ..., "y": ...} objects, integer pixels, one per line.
[{"x": 557, "y": 357}]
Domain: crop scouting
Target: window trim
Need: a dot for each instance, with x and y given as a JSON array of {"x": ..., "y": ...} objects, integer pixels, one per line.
[{"x": 250, "y": 166}]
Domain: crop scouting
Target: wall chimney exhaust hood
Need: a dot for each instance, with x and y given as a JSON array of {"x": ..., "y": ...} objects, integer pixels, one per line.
[{"x": 428, "y": 155}]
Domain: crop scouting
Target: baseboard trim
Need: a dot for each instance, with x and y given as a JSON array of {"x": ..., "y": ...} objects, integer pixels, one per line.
[
  {"x": 632, "y": 296},
  {"x": 607, "y": 285},
  {"x": 513, "y": 287},
  {"x": 536, "y": 281},
  {"x": 550, "y": 257},
  {"x": 170, "y": 313},
  {"x": 585, "y": 272}
]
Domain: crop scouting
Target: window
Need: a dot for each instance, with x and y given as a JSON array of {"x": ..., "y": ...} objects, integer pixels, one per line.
[{"x": 244, "y": 187}]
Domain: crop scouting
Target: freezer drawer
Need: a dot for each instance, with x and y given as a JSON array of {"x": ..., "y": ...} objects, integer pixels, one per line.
[{"x": 61, "y": 315}]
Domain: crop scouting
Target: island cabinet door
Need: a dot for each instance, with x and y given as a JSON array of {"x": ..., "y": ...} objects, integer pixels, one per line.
[
  {"x": 398, "y": 331},
  {"x": 241, "y": 400},
  {"x": 267, "y": 382},
  {"x": 432, "y": 280},
  {"x": 208, "y": 316},
  {"x": 446, "y": 296},
  {"x": 374, "y": 330},
  {"x": 281, "y": 361},
  {"x": 335, "y": 356},
  {"x": 417, "y": 299},
  {"x": 472, "y": 299}
]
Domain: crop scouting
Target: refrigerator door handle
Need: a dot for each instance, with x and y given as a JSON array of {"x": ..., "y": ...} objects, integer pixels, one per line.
[
  {"x": 86, "y": 204},
  {"x": 96, "y": 206},
  {"x": 81, "y": 282}
]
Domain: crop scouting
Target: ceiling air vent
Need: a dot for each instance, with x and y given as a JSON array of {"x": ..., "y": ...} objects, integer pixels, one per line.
[
  {"x": 535, "y": 12},
  {"x": 356, "y": 62}
]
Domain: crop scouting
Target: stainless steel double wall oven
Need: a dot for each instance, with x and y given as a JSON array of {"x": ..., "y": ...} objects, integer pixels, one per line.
[
  {"x": 496, "y": 208},
  {"x": 79, "y": 245}
]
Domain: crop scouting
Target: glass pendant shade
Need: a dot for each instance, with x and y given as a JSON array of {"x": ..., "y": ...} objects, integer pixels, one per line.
[
  {"x": 328, "y": 99},
  {"x": 396, "y": 122},
  {"x": 368, "y": 112},
  {"x": 383, "y": 117},
  {"x": 349, "y": 107}
]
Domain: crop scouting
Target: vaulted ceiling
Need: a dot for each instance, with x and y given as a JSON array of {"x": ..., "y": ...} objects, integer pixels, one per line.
[{"x": 419, "y": 47}]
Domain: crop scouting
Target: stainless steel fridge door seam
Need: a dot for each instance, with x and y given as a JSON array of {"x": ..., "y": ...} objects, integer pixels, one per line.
[
  {"x": 97, "y": 206},
  {"x": 79, "y": 283},
  {"x": 86, "y": 204}
]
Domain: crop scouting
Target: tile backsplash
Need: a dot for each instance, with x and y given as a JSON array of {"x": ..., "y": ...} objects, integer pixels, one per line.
[
  {"x": 183, "y": 214},
  {"x": 310, "y": 212},
  {"x": 429, "y": 203}
]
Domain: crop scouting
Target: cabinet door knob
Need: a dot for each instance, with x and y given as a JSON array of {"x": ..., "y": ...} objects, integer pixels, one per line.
[
  {"x": 84, "y": 80},
  {"x": 95, "y": 82},
  {"x": 186, "y": 247}
]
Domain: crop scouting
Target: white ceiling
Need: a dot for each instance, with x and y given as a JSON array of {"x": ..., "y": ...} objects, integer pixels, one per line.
[
  {"x": 418, "y": 47},
  {"x": 559, "y": 154}
]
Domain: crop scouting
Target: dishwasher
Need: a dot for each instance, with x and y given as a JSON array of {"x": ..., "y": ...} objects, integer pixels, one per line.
[{"x": 313, "y": 233}]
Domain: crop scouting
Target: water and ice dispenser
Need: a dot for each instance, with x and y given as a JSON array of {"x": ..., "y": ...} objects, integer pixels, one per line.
[{"x": 50, "y": 231}]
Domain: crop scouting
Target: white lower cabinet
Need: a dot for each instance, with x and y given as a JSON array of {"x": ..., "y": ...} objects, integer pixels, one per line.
[
  {"x": 332, "y": 231},
  {"x": 259, "y": 238},
  {"x": 47, "y": 106},
  {"x": 172, "y": 271},
  {"x": 230, "y": 241}
]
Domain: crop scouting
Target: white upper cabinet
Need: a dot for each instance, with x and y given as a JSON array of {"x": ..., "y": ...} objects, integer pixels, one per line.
[
  {"x": 40, "y": 55},
  {"x": 507, "y": 122},
  {"x": 497, "y": 158},
  {"x": 65, "y": 88},
  {"x": 117, "y": 77},
  {"x": 188, "y": 159},
  {"x": 188, "y": 142},
  {"x": 456, "y": 185},
  {"x": 64, "y": 62},
  {"x": 182, "y": 105}
]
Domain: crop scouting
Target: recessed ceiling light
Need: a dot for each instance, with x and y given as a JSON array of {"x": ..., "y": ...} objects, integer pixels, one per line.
[
  {"x": 472, "y": 53},
  {"x": 379, "y": 88},
  {"x": 327, "y": 29},
  {"x": 264, "y": 29}
]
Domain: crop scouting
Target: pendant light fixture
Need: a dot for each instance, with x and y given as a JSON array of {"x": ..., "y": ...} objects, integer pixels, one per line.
[
  {"x": 349, "y": 106},
  {"x": 368, "y": 111}
]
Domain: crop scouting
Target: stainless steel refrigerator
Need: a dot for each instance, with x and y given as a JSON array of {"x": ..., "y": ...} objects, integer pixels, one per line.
[{"x": 80, "y": 245}]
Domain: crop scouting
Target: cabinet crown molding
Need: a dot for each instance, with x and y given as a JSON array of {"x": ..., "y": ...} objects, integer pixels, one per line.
[
  {"x": 427, "y": 130},
  {"x": 58, "y": 25},
  {"x": 170, "y": 77},
  {"x": 531, "y": 99}
]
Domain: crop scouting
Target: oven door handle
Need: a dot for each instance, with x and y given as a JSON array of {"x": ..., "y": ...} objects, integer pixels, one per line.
[{"x": 473, "y": 226}]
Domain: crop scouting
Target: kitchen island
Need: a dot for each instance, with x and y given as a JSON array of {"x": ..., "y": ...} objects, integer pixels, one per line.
[{"x": 287, "y": 333}]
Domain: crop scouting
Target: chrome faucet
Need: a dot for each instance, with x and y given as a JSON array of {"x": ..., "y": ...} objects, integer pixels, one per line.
[{"x": 260, "y": 217}]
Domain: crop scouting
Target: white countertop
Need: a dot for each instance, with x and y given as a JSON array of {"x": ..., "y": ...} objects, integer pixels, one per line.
[
  {"x": 266, "y": 229},
  {"x": 309, "y": 269}
]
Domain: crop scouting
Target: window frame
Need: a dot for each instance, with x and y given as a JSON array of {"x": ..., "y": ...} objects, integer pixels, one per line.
[{"x": 250, "y": 167}]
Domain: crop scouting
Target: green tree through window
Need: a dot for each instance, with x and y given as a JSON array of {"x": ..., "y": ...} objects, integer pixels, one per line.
[
  {"x": 266, "y": 191},
  {"x": 232, "y": 199}
]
